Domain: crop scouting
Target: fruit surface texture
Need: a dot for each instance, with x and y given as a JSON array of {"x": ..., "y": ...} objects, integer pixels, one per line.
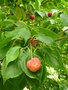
[
  {"x": 49, "y": 14},
  {"x": 32, "y": 17},
  {"x": 34, "y": 64}
]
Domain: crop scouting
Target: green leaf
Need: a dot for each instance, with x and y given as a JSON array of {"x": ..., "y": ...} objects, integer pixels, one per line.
[
  {"x": 3, "y": 52},
  {"x": 7, "y": 86},
  {"x": 64, "y": 85},
  {"x": 33, "y": 83},
  {"x": 12, "y": 54},
  {"x": 24, "y": 57},
  {"x": 18, "y": 12},
  {"x": 48, "y": 33},
  {"x": 2, "y": 15},
  {"x": 45, "y": 24},
  {"x": 4, "y": 42},
  {"x": 53, "y": 58},
  {"x": 44, "y": 76},
  {"x": 45, "y": 39},
  {"x": 13, "y": 70},
  {"x": 19, "y": 32},
  {"x": 42, "y": 14},
  {"x": 1, "y": 2},
  {"x": 20, "y": 24},
  {"x": 57, "y": 53},
  {"x": 37, "y": 4},
  {"x": 7, "y": 25},
  {"x": 64, "y": 19}
]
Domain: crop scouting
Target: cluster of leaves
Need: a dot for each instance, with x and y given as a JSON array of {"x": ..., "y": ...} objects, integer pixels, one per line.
[{"x": 16, "y": 48}]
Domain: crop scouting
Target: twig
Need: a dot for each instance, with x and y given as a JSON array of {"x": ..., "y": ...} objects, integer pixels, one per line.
[{"x": 31, "y": 51}]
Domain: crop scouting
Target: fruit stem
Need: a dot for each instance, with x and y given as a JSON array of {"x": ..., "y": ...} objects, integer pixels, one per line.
[{"x": 31, "y": 51}]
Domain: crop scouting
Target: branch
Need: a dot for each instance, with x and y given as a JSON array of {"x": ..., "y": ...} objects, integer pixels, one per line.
[{"x": 60, "y": 39}]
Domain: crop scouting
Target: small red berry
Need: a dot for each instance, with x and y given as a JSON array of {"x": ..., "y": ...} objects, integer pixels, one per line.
[
  {"x": 33, "y": 41},
  {"x": 49, "y": 14},
  {"x": 32, "y": 17},
  {"x": 34, "y": 64}
]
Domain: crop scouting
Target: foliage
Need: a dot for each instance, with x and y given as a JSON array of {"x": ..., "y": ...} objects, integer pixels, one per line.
[{"x": 51, "y": 44}]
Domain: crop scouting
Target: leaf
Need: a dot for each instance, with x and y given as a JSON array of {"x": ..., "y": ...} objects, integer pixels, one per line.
[
  {"x": 4, "y": 42},
  {"x": 3, "y": 52},
  {"x": 2, "y": 15},
  {"x": 7, "y": 25},
  {"x": 7, "y": 86},
  {"x": 18, "y": 12},
  {"x": 42, "y": 14},
  {"x": 33, "y": 83},
  {"x": 57, "y": 53},
  {"x": 64, "y": 85},
  {"x": 48, "y": 33},
  {"x": 45, "y": 24},
  {"x": 37, "y": 4},
  {"x": 24, "y": 57},
  {"x": 64, "y": 19},
  {"x": 12, "y": 54},
  {"x": 20, "y": 24},
  {"x": 53, "y": 58},
  {"x": 19, "y": 32},
  {"x": 1, "y": 2},
  {"x": 13, "y": 70},
  {"x": 44, "y": 73},
  {"x": 45, "y": 39}
]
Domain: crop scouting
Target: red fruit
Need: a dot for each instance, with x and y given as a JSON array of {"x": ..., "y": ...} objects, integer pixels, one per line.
[
  {"x": 49, "y": 14},
  {"x": 32, "y": 17},
  {"x": 34, "y": 64},
  {"x": 33, "y": 41}
]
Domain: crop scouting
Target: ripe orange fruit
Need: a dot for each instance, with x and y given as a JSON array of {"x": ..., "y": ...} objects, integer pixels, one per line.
[{"x": 34, "y": 64}]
